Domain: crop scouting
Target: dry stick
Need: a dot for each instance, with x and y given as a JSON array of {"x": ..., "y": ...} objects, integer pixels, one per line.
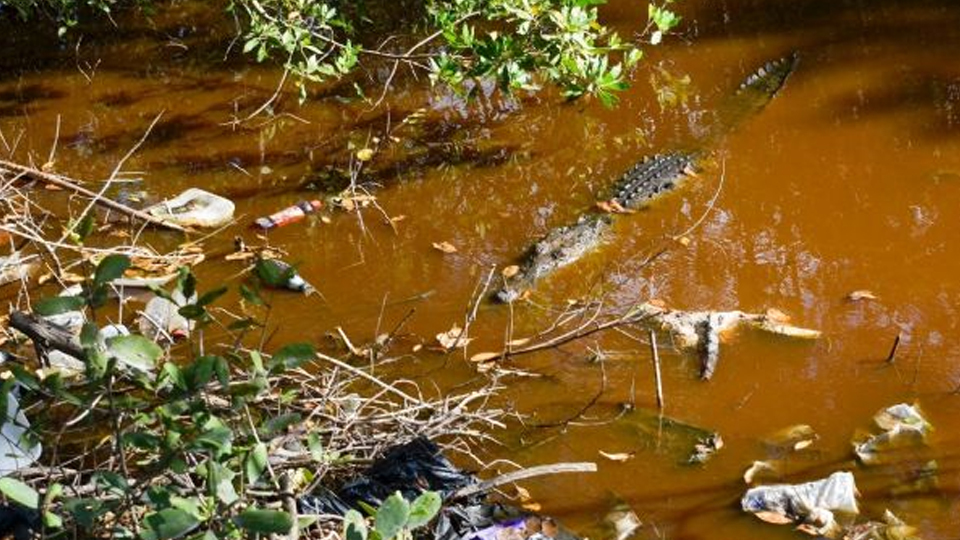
[
  {"x": 515, "y": 476},
  {"x": 364, "y": 375},
  {"x": 656, "y": 369},
  {"x": 892, "y": 357},
  {"x": 63, "y": 182}
]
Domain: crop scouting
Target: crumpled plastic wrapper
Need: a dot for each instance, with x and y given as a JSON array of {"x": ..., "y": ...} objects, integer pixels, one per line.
[
  {"x": 811, "y": 506},
  {"x": 902, "y": 424}
]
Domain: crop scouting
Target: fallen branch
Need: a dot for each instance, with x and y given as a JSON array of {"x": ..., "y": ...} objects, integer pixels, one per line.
[
  {"x": 46, "y": 335},
  {"x": 523, "y": 474},
  {"x": 63, "y": 182}
]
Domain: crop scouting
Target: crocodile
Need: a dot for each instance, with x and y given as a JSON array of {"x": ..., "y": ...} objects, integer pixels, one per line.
[{"x": 646, "y": 181}]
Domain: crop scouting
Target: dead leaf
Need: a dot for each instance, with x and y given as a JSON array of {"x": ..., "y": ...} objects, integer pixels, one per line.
[
  {"x": 775, "y": 518},
  {"x": 795, "y": 437},
  {"x": 510, "y": 271},
  {"x": 398, "y": 219},
  {"x": 485, "y": 357},
  {"x": 325, "y": 219},
  {"x": 445, "y": 247},
  {"x": 522, "y": 494},
  {"x": 453, "y": 338},
  {"x": 532, "y": 507},
  {"x": 618, "y": 457},
  {"x": 518, "y": 342},
  {"x": 417, "y": 348},
  {"x": 860, "y": 295},
  {"x": 683, "y": 241}
]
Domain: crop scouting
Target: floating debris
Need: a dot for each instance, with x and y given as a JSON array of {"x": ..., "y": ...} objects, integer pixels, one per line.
[
  {"x": 195, "y": 208},
  {"x": 706, "y": 448},
  {"x": 623, "y": 521},
  {"x": 891, "y": 528},
  {"x": 861, "y": 295},
  {"x": 161, "y": 320},
  {"x": 810, "y": 506},
  {"x": 705, "y": 330},
  {"x": 758, "y": 468},
  {"x": 280, "y": 275},
  {"x": 792, "y": 439},
  {"x": 291, "y": 214},
  {"x": 902, "y": 424}
]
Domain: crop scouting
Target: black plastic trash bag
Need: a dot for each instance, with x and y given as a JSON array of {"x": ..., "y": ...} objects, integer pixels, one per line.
[{"x": 417, "y": 466}]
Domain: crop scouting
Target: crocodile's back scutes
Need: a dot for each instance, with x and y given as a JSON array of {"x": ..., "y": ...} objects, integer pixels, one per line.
[{"x": 652, "y": 177}]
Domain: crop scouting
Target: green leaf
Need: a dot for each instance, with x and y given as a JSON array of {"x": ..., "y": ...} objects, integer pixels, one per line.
[
  {"x": 251, "y": 295},
  {"x": 392, "y": 516},
  {"x": 210, "y": 296},
  {"x": 264, "y": 521},
  {"x": 293, "y": 355},
  {"x": 256, "y": 463},
  {"x": 424, "y": 509},
  {"x": 19, "y": 492},
  {"x": 109, "y": 269},
  {"x": 168, "y": 524},
  {"x": 354, "y": 526},
  {"x": 58, "y": 304},
  {"x": 52, "y": 521},
  {"x": 135, "y": 351}
]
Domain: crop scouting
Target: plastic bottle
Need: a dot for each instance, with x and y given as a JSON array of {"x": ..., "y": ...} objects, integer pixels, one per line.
[{"x": 289, "y": 215}]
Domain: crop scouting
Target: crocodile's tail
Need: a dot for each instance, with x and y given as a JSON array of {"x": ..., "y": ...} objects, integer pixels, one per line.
[{"x": 753, "y": 94}]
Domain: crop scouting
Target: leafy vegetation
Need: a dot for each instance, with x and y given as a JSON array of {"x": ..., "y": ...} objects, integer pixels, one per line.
[
  {"x": 520, "y": 44},
  {"x": 182, "y": 446}
]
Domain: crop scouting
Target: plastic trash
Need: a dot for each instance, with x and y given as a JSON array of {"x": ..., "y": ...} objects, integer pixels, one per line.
[
  {"x": 195, "y": 208},
  {"x": 288, "y": 215},
  {"x": 278, "y": 274},
  {"x": 15, "y": 451},
  {"x": 902, "y": 424},
  {"x": 161, "y": 320},
  {"x": 420, "y": 465},
  {"x": 811, "y": 506}
]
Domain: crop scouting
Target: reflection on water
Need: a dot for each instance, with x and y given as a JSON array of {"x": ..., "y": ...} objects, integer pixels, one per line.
[{"x": 849, "y": 180}]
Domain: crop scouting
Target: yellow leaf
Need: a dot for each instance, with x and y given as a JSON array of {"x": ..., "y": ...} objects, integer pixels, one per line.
[
  {"x": 445, "y": 247},
  {"x": 485, "y": 356},
  {"x": 857, "y": 296},
  {"x": 510, "y": 271},
  {"x": 365, "y": 154},
  {"x": 619, "y": 457}
]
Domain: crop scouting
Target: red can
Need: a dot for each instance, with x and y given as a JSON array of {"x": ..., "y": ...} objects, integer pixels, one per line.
[{"x": 289, "y": 215}]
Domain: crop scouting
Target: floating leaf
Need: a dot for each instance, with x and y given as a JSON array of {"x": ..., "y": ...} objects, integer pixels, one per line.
[
  {"x": 445, "y": 247},
  {"x": 365, "y": 154},
  {"x": 619, "y": 457},
  {"x": 485, "y": 356},
  {"x": 860, "y": 295},
  {"x": 757, "y": 468},
  {"x": 510, "y": 271},
  {"x": 454, "y": 338}
]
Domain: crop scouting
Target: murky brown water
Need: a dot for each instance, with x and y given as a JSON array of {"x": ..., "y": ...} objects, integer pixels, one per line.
[{"x": 849, "y": 180}]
